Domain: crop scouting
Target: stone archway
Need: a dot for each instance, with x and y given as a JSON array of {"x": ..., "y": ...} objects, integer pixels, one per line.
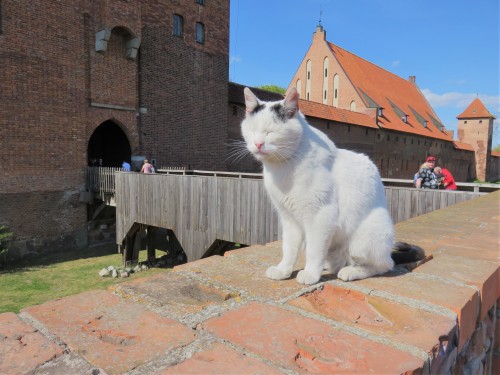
[{"x": 110, "y": 144}]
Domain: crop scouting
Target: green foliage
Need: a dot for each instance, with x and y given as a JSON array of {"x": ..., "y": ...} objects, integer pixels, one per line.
[
  {"x": 273, "y": 88},
  {"x": 496, "y": 148},
  {"x": 5, "y": 235}
]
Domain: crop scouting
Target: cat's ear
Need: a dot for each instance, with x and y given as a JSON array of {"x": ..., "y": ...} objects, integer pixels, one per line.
[
  {"x": 291, "y": 103},
  {"x": 251, "y": 100}
]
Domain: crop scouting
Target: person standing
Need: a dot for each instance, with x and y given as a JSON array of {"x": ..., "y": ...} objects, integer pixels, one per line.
[
  {"x": 426, "y": 178},
  {"x": 448, "y": 180},
  {"x": 146, "y": 167},
  {"x": 126, "y": 166}
]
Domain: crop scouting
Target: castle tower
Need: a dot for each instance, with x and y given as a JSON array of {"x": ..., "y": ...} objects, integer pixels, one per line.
[{"x": 475, "y": 127}]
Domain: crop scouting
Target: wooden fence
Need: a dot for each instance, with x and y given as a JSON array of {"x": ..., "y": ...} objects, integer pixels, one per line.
[
  {"x": 201, "y": 209},
  {"x": 101, "y": 181}
]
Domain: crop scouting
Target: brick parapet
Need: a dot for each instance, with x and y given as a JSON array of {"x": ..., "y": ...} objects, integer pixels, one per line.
[{"x": 222, "y": 313}]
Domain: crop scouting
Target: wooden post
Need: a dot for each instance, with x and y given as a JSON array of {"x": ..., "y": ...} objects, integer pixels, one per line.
[
  {"x": 131, "y": 253},
  {"x": 151, "y": 244}
]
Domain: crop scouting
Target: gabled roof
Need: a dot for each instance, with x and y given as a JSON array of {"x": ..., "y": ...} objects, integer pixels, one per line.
[
  {"x": 326, "y": 112},
  {"x": 377, "y": 86},
  {"x": 476, "y": 109}
]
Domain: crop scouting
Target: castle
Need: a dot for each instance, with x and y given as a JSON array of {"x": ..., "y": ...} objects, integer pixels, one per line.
[{"x": 105, "y": 81}]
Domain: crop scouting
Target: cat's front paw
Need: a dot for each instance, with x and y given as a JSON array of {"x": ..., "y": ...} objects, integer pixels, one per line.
[
  {"x": 275, "y": 273},
  {"x": 306, "y": 278},
  {"x": 350, "y": 273}
]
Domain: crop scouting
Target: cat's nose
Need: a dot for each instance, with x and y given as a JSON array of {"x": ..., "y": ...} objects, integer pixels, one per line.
[{"x": 259, "y": 145}]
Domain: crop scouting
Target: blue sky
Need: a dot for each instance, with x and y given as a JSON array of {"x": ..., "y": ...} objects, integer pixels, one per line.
[{"x": 451, "y": 46}]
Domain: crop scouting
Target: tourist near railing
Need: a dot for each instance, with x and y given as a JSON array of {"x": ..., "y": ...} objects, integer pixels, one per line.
[{"x": 101, "y": 180}]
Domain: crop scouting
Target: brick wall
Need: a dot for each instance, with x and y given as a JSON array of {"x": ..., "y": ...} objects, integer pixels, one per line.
[
  {"x": 186, "y": 106},
  {"x": 57, "y": 90}
]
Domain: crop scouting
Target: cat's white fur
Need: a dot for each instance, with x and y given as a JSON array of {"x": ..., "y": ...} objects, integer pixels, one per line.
[{"x": 330, "y": 201}]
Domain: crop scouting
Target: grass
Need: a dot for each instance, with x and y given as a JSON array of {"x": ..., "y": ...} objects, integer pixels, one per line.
[{"x": 53, "y": 276}]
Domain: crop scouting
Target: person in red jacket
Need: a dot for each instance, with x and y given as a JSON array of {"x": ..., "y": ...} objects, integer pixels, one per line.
[{"x": 448, "y": 182}]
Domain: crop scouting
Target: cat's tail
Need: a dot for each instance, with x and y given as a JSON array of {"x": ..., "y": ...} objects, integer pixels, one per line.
[{"x": 403, "y": 252}]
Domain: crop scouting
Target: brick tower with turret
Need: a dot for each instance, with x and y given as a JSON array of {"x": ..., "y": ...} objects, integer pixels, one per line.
[{"x": 475, "y": 127}]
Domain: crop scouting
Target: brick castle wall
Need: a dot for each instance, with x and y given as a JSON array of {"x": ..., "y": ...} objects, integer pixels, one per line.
[
  {"x": 185, "y": 123},
  {"x": 57, "y": 90}
]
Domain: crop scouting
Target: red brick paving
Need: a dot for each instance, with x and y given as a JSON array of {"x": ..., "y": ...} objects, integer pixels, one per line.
[
  {"x": 114, "y": 334},
  {"x": 22, "y": 349},
  {"x": 380, "y": 316},
  {"x": 221, "y": 359},
  {"x": 306, "y": 345},
  {"x": 221, "y": 315}
]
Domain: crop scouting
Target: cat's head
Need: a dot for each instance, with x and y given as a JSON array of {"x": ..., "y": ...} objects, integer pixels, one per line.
[{"x": 272, "y": 130}]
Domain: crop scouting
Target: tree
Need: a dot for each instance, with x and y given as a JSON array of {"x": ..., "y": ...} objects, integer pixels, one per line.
[
  {"x": 5, "y": 235},
  {"x": 273, "y": 88},
  {"x": 496, "y": 148}
]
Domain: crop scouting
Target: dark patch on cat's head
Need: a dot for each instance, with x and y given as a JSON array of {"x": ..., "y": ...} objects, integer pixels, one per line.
[
  {"x": 258, "y": 108},
  {"x": 280, "y": 112}
]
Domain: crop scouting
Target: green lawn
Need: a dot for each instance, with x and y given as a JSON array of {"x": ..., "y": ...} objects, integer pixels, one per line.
[{"x": 58, "y": 275}]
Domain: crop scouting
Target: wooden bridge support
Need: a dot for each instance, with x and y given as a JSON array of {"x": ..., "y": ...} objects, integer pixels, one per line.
[{"x": 133, "y": 241}]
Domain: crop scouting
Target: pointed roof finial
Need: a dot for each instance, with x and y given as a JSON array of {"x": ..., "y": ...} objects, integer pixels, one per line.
[{"x": 320, "y": 14}]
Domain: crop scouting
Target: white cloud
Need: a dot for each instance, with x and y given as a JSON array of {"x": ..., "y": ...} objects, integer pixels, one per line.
[
  {"x": 461, "y": 100},
  {"x": 396, "y": 63}
]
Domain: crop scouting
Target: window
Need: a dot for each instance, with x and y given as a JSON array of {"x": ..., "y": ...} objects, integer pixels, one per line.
[
  {"x": 200, "y": 33},
  {"x": 178, "y": 25},
  {"x": 326, "y": 72},
  {"x": 336, "y": 87},
  {"x": 201, "y": 2}
]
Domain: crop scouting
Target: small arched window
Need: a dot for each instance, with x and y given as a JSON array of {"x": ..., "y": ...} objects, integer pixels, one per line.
[
  {"x": 308, "y": 80},
  {"x": 178, "y": 25},
  {"x": 200, "y": 33}
]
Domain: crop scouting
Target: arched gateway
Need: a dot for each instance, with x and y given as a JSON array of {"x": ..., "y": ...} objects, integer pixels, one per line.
[{"x": 110, "y": 144}]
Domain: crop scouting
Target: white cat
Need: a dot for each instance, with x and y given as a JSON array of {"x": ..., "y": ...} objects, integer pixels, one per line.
[{"x": 330, "y": 201}]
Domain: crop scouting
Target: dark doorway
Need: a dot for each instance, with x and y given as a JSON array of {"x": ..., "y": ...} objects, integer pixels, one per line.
[{"x": 109, "y": 144}]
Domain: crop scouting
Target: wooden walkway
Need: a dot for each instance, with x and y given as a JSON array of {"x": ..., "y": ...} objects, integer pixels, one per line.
[{"x": 200, "y": 209}]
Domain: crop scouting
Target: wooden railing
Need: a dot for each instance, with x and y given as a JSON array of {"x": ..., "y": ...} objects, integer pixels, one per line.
[
  {"x": 101, "y": 181},
  {"x": 476, "y": 187},
  {"x": 203, "y": 208}
]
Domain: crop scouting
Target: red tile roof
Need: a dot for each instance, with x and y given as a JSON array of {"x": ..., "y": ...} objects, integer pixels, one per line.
[
  {"x": 495, "y": 153},
  {"x": 476, "y": 109},
  {"x": 323, "y": 111},
  {"x": 463, "y": 146},
  {"x": 378, "y": 87}
]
